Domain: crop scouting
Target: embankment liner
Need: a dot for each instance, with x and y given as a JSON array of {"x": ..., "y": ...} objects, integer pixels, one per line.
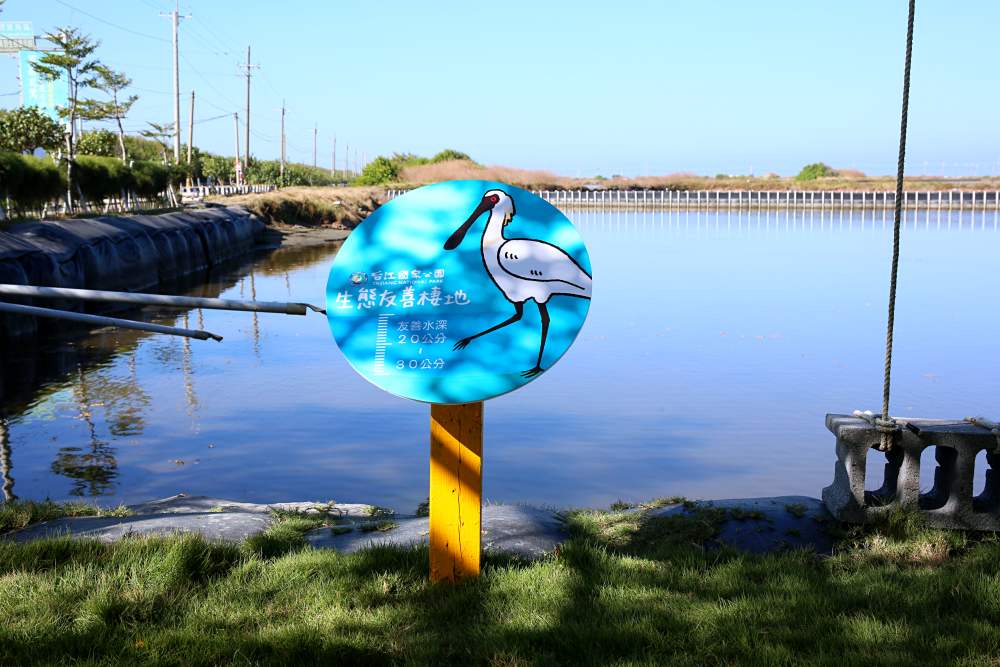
[{"x": 134, "y": 253}]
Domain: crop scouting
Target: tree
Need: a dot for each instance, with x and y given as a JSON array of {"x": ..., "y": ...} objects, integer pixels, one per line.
[
  {"x": 158, "y": 133},
  {"x": 217, "y": 168},
  {"x": 378, "y": 171},
  {"x": 811, "y": 172},
  {"x": 111, "y": 83},
  {"x": 72, "y": 57},
  {"x": 98, "y": 142},
  {"x": 26, "y": 129}
]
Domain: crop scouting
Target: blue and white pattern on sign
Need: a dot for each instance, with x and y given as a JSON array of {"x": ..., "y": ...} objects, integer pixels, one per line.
[{"x": 459, "y": 291}]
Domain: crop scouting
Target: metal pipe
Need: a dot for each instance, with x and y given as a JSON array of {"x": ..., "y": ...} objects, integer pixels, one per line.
[
  {"x": 158, "y": 299},
  {"x": 19, "y": 309}
]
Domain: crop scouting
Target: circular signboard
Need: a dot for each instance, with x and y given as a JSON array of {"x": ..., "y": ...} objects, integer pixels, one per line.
[{"x": 458, "y": 292}]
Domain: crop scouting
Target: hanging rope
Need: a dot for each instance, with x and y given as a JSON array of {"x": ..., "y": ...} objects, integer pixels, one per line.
[{"x": 886, "y": 424}]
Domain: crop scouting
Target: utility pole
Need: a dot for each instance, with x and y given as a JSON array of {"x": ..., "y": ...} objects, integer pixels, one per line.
[
  {"x": 347, "y": 159},
  {"x": 282, "y": 170},
  {"x": 175, "y": 18},
  {"x": 315, "y": 132},
  {"x": 236, "y": 128},
  {"x": 333, "y": 163},
  {"x": 190, "y": 139},
  {"x": 247, "y": 69}
]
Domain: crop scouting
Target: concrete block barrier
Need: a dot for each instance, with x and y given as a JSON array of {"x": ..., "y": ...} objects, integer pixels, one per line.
[{"x": 950, "y": 502}]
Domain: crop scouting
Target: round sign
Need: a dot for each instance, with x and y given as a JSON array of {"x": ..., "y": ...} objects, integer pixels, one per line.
[{"x": 459, "y": 291}]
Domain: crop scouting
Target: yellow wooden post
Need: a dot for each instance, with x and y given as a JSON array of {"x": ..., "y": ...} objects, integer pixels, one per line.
[{"x": 456, "y": 490}]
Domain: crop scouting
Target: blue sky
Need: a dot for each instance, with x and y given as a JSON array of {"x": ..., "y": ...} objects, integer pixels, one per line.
[{"x": 578, "y": 88}]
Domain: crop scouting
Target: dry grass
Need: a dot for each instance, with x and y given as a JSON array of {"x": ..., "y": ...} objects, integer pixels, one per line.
[
  {"x": 345, "y": 208},
  {"x": 846, "y": 179},
  {"x": 341, "y": 208},
  {"x": 452, "y": 170}
]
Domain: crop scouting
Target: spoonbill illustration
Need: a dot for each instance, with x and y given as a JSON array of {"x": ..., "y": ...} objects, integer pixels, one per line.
[{"x": 523, "y": 269}]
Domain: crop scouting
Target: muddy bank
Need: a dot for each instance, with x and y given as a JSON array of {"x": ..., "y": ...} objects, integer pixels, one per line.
[{"x": 135, "y": 253}]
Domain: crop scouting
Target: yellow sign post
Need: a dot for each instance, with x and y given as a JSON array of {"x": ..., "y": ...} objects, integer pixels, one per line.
[
  {"x": 456, "y": 490},
  {"x": 434, "y": 309}
]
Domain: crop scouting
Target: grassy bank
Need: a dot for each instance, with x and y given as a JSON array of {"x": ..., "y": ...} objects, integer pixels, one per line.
[
  {"x": 18, "y": 514},
  {"x": 626, "y": 589},
  {"x": 339, "y": 207}
]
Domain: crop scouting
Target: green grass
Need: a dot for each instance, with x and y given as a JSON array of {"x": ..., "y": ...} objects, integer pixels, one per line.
[
  {"x": 798, "y": 510},
  {"x": 625, "y": 589},
  {"x": 20, "y": 513}
]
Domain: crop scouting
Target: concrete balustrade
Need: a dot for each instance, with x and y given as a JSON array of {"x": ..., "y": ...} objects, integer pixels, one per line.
[{"x": 950, "y": 503}]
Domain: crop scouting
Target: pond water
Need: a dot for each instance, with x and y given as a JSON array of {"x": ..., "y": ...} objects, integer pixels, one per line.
[{"x": 715, "y": 345}]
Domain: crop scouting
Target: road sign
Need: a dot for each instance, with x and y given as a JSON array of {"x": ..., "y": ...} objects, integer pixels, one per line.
[
  {"x": 458, "y": 292},
  {"x": 16, "y": 36},
  {"x": 37, "y": 91}
]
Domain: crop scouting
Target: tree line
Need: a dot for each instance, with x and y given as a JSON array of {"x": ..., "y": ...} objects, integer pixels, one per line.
[{"x": 82, "y": 166}]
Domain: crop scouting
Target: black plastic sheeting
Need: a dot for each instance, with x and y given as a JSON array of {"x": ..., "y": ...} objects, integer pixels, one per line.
[{"x": 126, "y": 254}]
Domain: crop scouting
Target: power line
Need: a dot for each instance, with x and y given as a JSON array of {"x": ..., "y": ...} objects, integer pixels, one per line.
[
  {"x": 211, "y": 32},
  {"x": 210, "y": 85},
  {"x": 201, "y": 37},
  {"x": 150, "y": 90},
  {"x": 113, "y": 25},
  {"x": 206, "y": 120}
]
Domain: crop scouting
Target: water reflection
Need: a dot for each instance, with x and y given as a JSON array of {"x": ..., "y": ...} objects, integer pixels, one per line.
[
  {"x": 92, "y": 468},
  {"x": 715, "y": 343},
  {"x": 5, "y": 464},
  {"x": 101, "y": 371}
]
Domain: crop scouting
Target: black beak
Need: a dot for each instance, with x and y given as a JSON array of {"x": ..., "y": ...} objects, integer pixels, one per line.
[{"x": 459, "y": 234}]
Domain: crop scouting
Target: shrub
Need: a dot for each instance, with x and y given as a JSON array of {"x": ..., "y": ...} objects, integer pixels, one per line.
[
  {"x": 378, "y": 171},
  {"x": 29, "y": 181},
  {"x": 262, "y": 171},
  {"x": 100, "y": 177},
  {"x": 402, "y": 160},
  {"x": 105, "y": 143},
  {"x": 450, "y": 154},
  {"x": 811, "y": 172},
  {"x": 149, "y": 178}
]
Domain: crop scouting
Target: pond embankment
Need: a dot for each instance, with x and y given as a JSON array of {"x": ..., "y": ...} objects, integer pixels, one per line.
[
  {"x": 329, "y": 207},
  {"x": 134, "y": 253}
]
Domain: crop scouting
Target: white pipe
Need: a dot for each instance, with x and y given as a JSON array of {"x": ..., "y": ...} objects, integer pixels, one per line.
[
  {"x": 19, "y": 309},
  {"x": 157, "y": 299}
]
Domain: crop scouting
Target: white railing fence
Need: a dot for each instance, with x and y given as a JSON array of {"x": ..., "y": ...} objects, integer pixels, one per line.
[{"x": 716, "y": 199}]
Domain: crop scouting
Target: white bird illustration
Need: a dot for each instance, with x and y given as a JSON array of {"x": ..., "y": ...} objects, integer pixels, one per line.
[{"x": 522, "y": 269}]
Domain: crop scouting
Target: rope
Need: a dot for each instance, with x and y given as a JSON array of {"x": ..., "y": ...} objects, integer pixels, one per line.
[{"x": 886, "y": 424}]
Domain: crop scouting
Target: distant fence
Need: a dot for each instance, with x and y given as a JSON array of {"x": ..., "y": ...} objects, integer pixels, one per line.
[
  {"x": 130, "y": 203},
  {"x": 735, "y": 199},
  {"x": 199, "y": 191}
]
